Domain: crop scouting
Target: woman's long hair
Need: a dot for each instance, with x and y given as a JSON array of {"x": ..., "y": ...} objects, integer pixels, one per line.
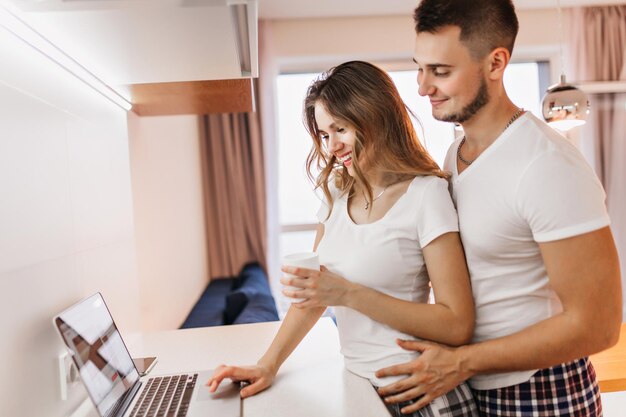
[{"x": 364, "y": 97}]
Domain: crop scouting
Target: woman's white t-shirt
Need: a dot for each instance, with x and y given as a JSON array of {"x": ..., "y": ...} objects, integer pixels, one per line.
[{"x": 387, "y": 256}]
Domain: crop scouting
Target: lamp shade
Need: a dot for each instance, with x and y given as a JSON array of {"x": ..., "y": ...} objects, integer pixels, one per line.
[{"x": 565, "y": 106}]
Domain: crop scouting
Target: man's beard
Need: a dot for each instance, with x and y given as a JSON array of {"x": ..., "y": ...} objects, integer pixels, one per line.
[{"x": 479, "y": 101}]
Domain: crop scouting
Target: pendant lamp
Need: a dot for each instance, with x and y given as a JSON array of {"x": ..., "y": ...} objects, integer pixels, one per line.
[{"x": 564, "y": 106}]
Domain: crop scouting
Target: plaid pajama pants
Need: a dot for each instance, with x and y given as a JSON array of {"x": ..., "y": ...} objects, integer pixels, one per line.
[
  {"x": 457, "y": 403},
  {"x": 569, "y": 389}
]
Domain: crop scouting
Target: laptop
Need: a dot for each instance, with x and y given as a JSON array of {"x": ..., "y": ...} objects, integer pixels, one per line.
[{"x": 113, "y": 383}]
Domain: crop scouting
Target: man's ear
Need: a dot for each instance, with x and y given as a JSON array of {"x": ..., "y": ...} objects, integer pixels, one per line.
[{"x": 496, "y": 63}]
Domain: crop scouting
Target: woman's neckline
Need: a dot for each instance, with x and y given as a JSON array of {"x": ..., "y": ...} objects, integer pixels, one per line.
[{"x": 395, "y": 203}]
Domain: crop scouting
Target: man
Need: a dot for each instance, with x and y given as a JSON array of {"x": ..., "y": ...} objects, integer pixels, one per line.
[{"x": 543, "y": 264}]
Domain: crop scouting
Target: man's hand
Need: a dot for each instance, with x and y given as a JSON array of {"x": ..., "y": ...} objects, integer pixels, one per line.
[{"x": 437, "y": 371}]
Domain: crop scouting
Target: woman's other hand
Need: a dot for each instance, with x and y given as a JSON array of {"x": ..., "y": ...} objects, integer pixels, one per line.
[
  {"x": 258, "y": 376},
  {"x": 318, "y": 288}
]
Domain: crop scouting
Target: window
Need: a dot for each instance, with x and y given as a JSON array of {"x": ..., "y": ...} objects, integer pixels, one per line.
[{"x": 298, "y": 204}]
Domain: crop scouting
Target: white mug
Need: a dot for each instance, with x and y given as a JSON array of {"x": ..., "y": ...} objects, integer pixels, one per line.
[{"x": 308, "y": 260}]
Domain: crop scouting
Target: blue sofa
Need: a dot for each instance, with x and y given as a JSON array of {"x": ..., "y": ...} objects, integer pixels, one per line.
[{"x": 243, "y": 299}]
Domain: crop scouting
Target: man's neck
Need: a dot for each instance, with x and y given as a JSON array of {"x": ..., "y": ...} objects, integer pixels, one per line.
[{"x": 486, "y": 125}]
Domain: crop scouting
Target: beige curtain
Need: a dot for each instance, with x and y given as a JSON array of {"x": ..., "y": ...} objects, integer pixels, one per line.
[
  {"x": 599, "y": 54},
  {"x": 234, "y": 192}
]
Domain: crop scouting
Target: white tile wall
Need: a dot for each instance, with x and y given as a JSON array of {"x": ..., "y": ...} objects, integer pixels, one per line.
[
  {"x": 66, "y": 221},
  {"x": 35, "y": 213}
]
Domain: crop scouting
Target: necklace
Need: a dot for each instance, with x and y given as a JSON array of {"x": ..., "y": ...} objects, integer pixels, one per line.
[
  {"x": 367, "y": 203},
  {"x": 517, "y": 114}
]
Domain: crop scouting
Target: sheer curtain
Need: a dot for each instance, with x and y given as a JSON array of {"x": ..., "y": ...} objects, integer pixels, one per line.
[
  {"x": 598, "y": 36},
  {"x": 234, "y": 179}
]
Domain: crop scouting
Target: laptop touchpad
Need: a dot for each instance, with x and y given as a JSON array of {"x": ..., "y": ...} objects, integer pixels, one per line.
[{"x": 224, "y": 392}]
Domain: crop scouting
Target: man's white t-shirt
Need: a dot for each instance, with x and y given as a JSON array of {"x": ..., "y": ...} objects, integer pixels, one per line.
[
  {"x": 531, "y": 185},
  {"x": 387, "y": 256}
]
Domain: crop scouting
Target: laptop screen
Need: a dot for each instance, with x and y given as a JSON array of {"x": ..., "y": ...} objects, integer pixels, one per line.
[{"x": 104, "y": 364}]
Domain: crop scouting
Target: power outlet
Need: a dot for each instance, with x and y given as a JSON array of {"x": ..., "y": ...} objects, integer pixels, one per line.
[{"x": 68, "y": 374}]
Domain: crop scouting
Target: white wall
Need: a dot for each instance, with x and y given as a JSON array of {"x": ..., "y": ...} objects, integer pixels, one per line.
[
  {"x": 315, "y": 44},
  {"x": 170, "y": 225},
  {"x": 66, "y": 222}
]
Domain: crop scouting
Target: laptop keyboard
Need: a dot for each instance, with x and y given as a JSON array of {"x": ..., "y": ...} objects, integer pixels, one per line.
[{"x": 166, "y": 396}]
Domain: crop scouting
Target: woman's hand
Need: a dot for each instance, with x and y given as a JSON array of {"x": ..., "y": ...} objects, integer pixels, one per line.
[
  {"x": 317, "y": 288},
  {"x": 260, "y": 377}
]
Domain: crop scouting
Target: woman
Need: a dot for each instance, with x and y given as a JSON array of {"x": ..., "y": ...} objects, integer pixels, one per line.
[{"x": 387, "y": 229}]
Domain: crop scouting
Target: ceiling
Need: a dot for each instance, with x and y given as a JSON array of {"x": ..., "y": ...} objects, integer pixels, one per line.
[
  {"x": 130, "y": 42},
  {"x": 291, "y": 9},
  {"x": 283, "y": 9}
]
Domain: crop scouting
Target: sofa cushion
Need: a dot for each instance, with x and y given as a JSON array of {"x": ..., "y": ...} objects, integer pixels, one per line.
[
  {"x": 209, "y": 310},
  {"x": 251, "y": 300}
]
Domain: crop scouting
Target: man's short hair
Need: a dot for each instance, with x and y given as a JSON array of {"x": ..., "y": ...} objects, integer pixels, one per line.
[{"x": 485, "y": 24}]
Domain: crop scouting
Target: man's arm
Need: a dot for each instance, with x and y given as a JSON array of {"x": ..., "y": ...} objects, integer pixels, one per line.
[{"x": 584, "y": 272}]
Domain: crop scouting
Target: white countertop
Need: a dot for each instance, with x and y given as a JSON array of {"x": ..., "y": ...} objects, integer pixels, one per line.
[{"x": 312, "y": 382}]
